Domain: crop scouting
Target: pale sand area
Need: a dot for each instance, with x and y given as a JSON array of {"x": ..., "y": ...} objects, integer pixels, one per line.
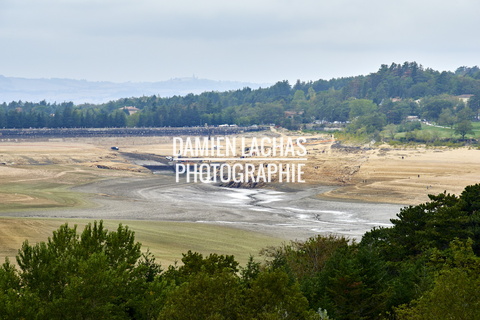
[
  {"x": 378, "y": 174},
  {"x": 127, "y": 191},
  {"x": 409, "y": 175},
  {"x": 373, "y": 173},
  {"x": 36, "y": 179},
  {"x": 35, "y": 187},
  {"x": 385, "y": 174}
]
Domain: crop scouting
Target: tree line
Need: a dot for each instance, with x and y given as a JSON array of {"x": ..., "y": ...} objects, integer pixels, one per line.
[
  {"x": 425, "y": 266},
  {"x": 389, "y": 95}
]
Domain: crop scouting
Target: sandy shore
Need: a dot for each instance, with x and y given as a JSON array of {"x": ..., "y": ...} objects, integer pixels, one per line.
[
  {"x": 408, "y": 175},
  {"x": 348, "y": 190},
  {"x": 334, "y": 174}
]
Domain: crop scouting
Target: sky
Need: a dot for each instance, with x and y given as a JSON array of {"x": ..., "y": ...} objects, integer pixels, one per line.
[{"x": 261, "y": 41}]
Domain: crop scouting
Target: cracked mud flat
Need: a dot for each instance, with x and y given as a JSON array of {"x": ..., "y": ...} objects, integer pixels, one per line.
[{"x": 291, "y": 214}]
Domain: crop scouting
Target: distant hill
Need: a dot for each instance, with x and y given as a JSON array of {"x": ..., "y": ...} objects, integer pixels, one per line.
[
  {"x": 368, "y": 102},
  {"x": 82, "y": 91}
]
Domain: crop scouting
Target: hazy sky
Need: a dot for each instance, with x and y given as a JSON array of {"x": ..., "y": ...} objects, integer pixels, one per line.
[{"x": 248, "y": 40}]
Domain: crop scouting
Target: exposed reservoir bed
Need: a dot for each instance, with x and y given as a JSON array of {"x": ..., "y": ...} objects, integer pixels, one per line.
[{"x": 292, "y": 214}]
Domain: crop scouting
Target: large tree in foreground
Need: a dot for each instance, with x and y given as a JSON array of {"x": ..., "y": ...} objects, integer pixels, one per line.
[
  {"x": 455, "y": 293},
  {"x": 103, "y": 275},
  {"x": 93, "y": 275},
  {"x": 434, "y": 224}
]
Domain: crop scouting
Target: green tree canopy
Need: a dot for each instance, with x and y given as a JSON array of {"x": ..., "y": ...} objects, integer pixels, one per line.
[
  {"x": 463, "y": 128},
  {"x": 361, "y": 107},
  {"x": 92, "y": 275}
]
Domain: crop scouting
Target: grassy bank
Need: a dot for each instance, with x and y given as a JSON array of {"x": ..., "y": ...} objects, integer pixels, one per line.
[
  {"x": 38, "y": 195},
  {"x": 46, "y": 186},
  {"x": 166, "y": 240}
]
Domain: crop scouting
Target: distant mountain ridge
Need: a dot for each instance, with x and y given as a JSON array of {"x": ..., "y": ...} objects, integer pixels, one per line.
[{"x": 83, "y": 91}]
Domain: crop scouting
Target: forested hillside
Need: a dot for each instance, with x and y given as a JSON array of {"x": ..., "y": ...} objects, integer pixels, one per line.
[{"x": 369, "y": 102}]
